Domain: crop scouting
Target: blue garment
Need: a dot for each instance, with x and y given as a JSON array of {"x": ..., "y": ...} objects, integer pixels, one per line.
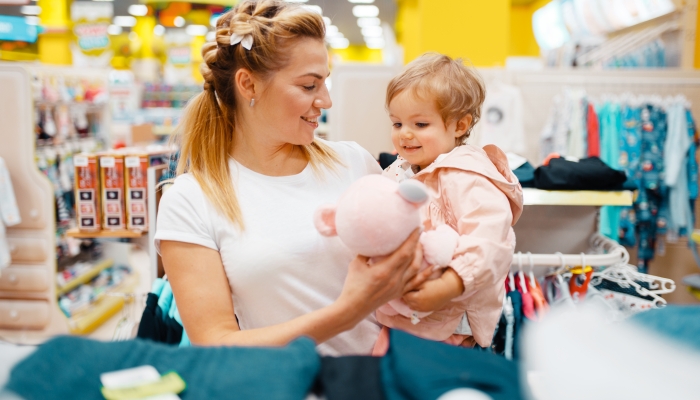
[
  {"x": 676, "y": 150},
  {"x": 692, "y": 166},
  {"x": 610, "y": 121},
  {"x": 70, "y": 368},
  {"x": 416, "y": 368},
  {"x": 630, "y": 155},
  {"x": 680, "y": 323},
  {"x": 517, "y": 300}
]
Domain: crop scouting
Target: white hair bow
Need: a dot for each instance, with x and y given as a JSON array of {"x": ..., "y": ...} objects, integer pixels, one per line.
[{"x": 245, "y": 40}]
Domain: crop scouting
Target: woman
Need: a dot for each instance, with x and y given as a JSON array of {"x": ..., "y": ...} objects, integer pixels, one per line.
[{"x": 235, "y": 231}]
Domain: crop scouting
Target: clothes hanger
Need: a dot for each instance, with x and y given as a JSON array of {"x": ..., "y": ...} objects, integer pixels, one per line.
[
  {"x": 523, "y": 284},
  {"x": 533, "y": 282}
]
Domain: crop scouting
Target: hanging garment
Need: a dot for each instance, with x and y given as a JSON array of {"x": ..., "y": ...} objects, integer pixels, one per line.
[
  {"x": 692, "y": 159},
  {"x": 554, "y": 136},
  {"x": 577, "y": 125},
  {"x": 610, "y": 132},
  {"x": 528, "y": 302},
  {"x": 592, "y": 126},
  {"x": 676, "y": 148},
  {"x": 9, "y": 213},
  {"x": 502, "y": 119},
  {"x": 517, "y": 300},
  {"x": 629, "y": 161},
  {"x": 587, "y": 174},
  {"x": 541, "y": 306}
]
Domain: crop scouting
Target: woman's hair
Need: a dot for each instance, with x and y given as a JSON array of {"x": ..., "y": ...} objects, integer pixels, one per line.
[
  {"x": 457, "y": 90},
  {"x": 208, "y": 123}
]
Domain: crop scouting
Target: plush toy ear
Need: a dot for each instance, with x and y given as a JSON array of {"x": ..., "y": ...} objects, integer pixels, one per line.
[
  {"x": 414, "y": 192},
  {"x": 324, "y": 220}
]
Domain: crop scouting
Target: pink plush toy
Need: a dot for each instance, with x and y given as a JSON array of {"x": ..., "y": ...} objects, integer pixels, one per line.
[{"x": 375, "y": 216}]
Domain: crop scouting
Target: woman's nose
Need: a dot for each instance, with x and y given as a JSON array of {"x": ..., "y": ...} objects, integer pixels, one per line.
[{"x": 324, "y": 99}]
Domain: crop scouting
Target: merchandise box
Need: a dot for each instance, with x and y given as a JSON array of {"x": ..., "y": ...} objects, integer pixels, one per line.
[
  {"x": 136, "y": 191},
  {"x": 87, "y": 192},
  {"x": 112, "y": 188}
]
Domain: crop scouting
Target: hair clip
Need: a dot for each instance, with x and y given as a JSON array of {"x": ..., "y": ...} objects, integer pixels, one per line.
[{"x": 245, "y": 40}]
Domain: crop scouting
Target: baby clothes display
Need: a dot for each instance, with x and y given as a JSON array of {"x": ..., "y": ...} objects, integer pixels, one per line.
[
  {"x": 502, "y": 119},
  {"x": 9, "y": 213}
]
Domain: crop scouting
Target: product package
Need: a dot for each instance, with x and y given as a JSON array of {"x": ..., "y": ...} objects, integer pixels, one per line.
[
  {"x": 87, "y": 187},
  {"x": 137, "y": 191},
  {"x": 112, "y": 188}
]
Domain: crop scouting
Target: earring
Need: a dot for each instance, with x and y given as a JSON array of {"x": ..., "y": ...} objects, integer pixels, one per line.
[{"x": 252, "y": 102}]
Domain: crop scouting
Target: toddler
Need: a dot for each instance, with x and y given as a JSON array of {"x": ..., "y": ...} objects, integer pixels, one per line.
[{"x": 433, "y": 105}]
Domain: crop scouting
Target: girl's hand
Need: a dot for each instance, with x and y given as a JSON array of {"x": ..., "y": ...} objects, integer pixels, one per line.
[
  {"x": 435, "y": 294},
  {"x": 368, "y": 287}
]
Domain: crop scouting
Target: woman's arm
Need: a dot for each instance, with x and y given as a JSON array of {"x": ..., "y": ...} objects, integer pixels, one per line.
[{"x": 203, "y": 296}]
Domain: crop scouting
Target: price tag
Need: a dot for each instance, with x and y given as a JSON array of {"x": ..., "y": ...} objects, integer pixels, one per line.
[
  {"x": 80, "y": 161},
  {"x": 132, "y": 162},
  {"x": 107, "y": 162}
]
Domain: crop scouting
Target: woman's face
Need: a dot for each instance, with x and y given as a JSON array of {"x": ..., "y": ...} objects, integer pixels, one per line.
[{"x": 291, "y": 100}]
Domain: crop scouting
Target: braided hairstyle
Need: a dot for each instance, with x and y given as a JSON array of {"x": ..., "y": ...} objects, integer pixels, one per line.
[{"x": 206, "y": 131}]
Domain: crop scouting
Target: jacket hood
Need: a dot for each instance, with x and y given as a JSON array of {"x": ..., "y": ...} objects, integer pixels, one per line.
[{"x": 490, "y": 162}]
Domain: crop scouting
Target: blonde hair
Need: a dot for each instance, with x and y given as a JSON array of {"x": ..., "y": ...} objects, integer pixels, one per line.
[
  {"x": 209, "y": 120},
  {"x": 457, "y": 90}
]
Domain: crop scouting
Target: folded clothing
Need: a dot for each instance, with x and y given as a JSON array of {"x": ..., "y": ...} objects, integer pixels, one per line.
[
  {"x": 350, "y": 378},
  {"x": 679, "y": 323},
  {"x": 526, "y": 175},
  {"x": 70, "y": 367},
  {"x": 587, "y": 174},
  {"x": 416, "y": 368}
]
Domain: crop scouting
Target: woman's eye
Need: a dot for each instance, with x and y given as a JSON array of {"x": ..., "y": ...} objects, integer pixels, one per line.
[
  {"x": 421, "y": 124},
  {"x": 397, "y": 125},
  {"x": 310, "y": 88}
]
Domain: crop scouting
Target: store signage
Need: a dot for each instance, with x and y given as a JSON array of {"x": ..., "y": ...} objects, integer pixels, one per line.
[
  {"x": 16, "y": 28},
  {"x": 92, "y": 36}
]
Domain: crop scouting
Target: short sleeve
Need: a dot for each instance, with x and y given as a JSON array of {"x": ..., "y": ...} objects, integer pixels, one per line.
[
  {"x": 183, "y": 215},
  {"x": 371, "y": 164}
]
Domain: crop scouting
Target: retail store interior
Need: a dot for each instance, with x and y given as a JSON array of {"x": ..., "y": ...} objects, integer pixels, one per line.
[{"x": 593, "y": 104}]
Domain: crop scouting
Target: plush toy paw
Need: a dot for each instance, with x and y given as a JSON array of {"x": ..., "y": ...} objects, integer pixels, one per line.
[{"x": 439, "y": 245}]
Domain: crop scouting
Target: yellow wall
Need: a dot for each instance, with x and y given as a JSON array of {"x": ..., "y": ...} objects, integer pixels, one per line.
[
  {"x": 522, "y": 38},
  {"x": 476, "y": 30},
  {"x": 358, "y": 53}
]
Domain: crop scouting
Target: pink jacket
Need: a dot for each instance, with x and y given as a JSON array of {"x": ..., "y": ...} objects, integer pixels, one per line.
[{"x": 474, "y": 191}]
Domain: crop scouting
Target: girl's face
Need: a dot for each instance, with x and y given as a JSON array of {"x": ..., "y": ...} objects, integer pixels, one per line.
[
  {"x": 418, "y": 132},
  {"x": 291, "y": 100}
]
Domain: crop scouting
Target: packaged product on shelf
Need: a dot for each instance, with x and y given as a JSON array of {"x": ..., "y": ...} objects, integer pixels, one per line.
[
  {"x": 112, "y": 189},
  {"x": 87, "y": 195},
  {"x": 136, "y": 191},
  {"x": 81, "y": 298}
]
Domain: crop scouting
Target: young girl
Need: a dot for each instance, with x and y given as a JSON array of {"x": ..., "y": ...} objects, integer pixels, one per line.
[{"x": 433, "y": 105}]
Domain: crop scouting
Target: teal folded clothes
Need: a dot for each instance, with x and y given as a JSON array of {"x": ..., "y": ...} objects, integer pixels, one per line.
[
  {"x": 70, "y": 368},
  {"x": 415, "y": 368},
  {"x": 678, "y": 323},
  {"x": 526, "y": 175},
  {"x": 160, "y": 320}
]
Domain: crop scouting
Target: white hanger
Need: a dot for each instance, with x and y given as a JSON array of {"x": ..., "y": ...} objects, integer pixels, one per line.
[
  {"x": 523, "y": 284},
  {"x": 533, "y": 282}
]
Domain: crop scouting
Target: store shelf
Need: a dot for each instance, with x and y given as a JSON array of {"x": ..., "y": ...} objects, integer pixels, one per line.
[
  {"x": 84, "y": 278},
  {"x": 123, "y": 234},
  {"x": 537, "y": 197},
  {"x": 105, "y": 307},
  {"x": 163, "y": 130}
]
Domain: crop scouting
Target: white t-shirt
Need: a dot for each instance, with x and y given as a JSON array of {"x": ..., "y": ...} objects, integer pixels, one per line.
[{"x": 279, "y": 268}]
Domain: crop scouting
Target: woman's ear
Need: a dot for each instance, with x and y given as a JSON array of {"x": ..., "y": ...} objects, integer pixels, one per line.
[
  {"x": 245, "y": 83},
  {"x": 463, "y": 125},
  {"x": 324, "y": 220}
]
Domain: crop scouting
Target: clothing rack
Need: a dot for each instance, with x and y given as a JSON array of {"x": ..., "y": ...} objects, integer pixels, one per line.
[{"x": 613, "y": 253}]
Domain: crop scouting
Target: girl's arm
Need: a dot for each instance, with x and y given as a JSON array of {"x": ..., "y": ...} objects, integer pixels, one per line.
[{"x": 204, "y": 301}]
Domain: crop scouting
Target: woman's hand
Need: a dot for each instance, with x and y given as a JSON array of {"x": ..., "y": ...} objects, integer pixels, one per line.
[
  {"x": 369, "y": 286},
  {"x": 435, "y": 294}
]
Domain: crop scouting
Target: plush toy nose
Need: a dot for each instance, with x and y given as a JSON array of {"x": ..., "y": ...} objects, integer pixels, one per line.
[{"x": 413, "y": 191}]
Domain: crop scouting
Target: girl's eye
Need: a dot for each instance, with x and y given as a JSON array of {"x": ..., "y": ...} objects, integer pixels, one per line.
[
  {"x": 397, "y": 125},
  {"x": 421, "y": 124},
  {"x": 310, "y": 88}
]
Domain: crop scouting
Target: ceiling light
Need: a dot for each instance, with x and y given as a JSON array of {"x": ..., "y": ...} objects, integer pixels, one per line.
[
  {"x": 211, "y": 36},
  {"x": 374, "y": 43},
  {"x": 327, "y": 21},
  {"x": 368, "y": 21},
  {"x": 331, "y": 30},
  {"x": 372, "y": 31},
  {"x": 138, "y": 10},
  {"x": 365, "y": 11},
  {"x": 159, "y": 30},
  {"x": 362, "y": 1},
  {"x": 316, "y": 9},
  {"x": 32, "y": 20},
  {"x": 196, "y": 30},
  {"x": 296, "y": 1},
  {"x": 30, "y": 10},
  {"x": 179, "y": 22},
  {"x": 123, "y": 20},
  {"x": 114, "y": 30},
  {"x": 339, "y": 43}
]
